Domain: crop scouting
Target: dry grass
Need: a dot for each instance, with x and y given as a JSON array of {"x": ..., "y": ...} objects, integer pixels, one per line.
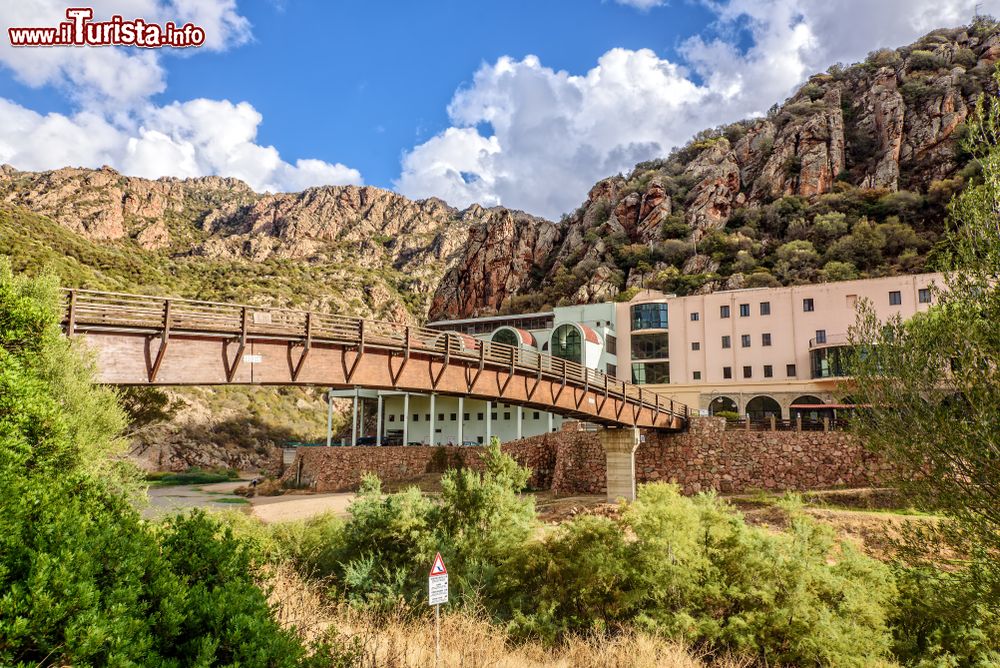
[{"x": 467, "y": 641}]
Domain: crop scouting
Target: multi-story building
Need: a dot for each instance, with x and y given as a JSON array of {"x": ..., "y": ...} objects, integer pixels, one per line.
[
  {"x": 584, "y": 334},
  {"x": 758, "y": 352}
]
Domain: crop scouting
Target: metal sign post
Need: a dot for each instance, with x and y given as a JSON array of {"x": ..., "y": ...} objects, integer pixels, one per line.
[{"x": 437, "y": 590}]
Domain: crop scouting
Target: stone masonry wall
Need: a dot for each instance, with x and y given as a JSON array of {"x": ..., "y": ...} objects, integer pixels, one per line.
[
  {"x": 340, "y": 469},
  {"x": 705, "y": 457}
]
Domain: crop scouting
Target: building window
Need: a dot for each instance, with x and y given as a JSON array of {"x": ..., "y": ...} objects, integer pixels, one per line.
[
  {"x": 696, "y": 345},
  {"x": 416, "y": 417},
  {"x": 725, "y": 341},
  {"x": 697, "y": 375},
  {"x": 506, "y": 415},
  {"x": 441, "y": 417},
  {"x": 808, "y": 305},
  {"x": 644, "y": 373},
  {"x": 727, "y": 372},
  {"x": 765, "y": 308},
  {"x": 748, "y": 372},
  {"x": 493, "y": 416},
  {"x": 745, "y": 340},
  {"x": 695, "y": 317},
  {"x": 768, "y": 371},
  {"x": 612, "y": 369},
  {"x": 567, "y": 344},
  {"x": 535, "y": 415},
  {"x": 506, "y": 336},
  {"x": 650, "y": 346},
  {"x": 924, "y": 295},
  {"x": 790, "y": 370},
  {"x": 765, "y": 339},
  {"x": 744, "y": 310},
  {"x": 427, "y": 416},
  {"x": 612, "y": 344},
  {"x": 895, "y": 298},
  {"x": 820, "y": 336},
  {"x": 724, "y": 311},
  {"x": 402, "y": 416},
  {"x": 479, "y": 416},
  {"x": 392, "y": 418},
  {"x": 649, "y": 316}
]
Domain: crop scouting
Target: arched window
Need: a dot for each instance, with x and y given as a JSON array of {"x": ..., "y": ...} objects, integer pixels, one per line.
[
  {"x": 567, "y": 344},
  {"x": 814, "y": 412},
  {"x": 763, "y": 407},
  {"x": 506, "y": 336},
  {"x": 722, "y": 405}
]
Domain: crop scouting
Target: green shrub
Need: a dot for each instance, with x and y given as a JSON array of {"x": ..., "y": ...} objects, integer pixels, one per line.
[
  {"x": 925, "y": 60},
  {"x": 695, "y": 571}
]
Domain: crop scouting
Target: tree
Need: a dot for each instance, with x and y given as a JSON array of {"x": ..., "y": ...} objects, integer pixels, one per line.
[{"x": 930, "y": 385}]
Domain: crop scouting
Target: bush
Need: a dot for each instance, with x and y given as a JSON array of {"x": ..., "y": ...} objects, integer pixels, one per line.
[
  {"x": 695, "y": 570},
  {"x": 84, "y": 580},
  {"x": 925, "y": 60}
]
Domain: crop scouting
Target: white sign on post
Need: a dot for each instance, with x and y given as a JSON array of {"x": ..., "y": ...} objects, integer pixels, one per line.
[{"x": 437, "y": 583}]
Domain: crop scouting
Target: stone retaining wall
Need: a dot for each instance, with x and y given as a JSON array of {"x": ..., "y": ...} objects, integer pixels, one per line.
[
  {"x": 339, "y": 469},
  {"x": 705, "y": 457}
]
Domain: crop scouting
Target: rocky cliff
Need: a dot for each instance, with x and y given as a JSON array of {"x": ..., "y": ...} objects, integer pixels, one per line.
[{"x": 853, "y": 171}]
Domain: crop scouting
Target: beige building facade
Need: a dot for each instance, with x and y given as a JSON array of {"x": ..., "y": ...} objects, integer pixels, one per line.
[{"x": 759, "y": 351}]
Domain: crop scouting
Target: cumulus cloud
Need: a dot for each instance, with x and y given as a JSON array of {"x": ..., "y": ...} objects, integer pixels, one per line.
[
  {"x": 551, "y": 134},
  {"x": 194, "y": 138},
  {"x": 117, "y": 124}
]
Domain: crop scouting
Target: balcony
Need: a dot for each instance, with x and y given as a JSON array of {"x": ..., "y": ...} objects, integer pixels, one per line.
[{"x": 830, "y": 341}]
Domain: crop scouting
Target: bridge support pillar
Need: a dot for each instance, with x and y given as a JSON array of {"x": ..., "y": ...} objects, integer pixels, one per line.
[{"x": 619, "y": 446}]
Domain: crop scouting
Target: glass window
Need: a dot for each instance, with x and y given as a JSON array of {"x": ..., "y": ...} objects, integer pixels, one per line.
[
  {"x": 744, "y": 310},
  {"x": 790, "y": 370},
  {"x": 768, "y": 371},
  {"x": 696, "y": 345},
  {"x": 535, "y": 415},
  {"x": 651, "y": 373},
  {"x": 745, "y": 340},
  {"x": 649, "y": 316},
  {"x": 808, "y": 305},
  {"x": 465, "y": 416},
  {"x": 506, "y": 336},
  {"x": 506, "y": 415},
  {"x": 727, "y": 372},
  {"x": 895, "y": 298},
  {"x": 612, "y": 369},
  {"x": 416, "y": 417},
  {"x": 924, "y": 295},
  {"x": 441, "y": 417},
  {"x": 650, "y": 346},
  {"x": 612, "y": 344},
  {"x": 567, "y": 344},
  {"x": 697, "y": 375},
  {"x": 748, "y": 372},
  {"x": 479, "y": 416},
  {"x": 453, "y": 417},
  {"x": 724, "y": 311},
  {"x": 493, "y": 416},
  {"x": 765, "y": 308},
  {"x": 820, "y": 336},
  {"x": 694, "y": 317},
  {"x": 725, "y": 341},
  {"x": 765, "y": 339}
]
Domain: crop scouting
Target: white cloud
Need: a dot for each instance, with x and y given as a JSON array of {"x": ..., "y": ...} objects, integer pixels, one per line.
[
  {"x": 555, "y": 133},
  {"x": 117, "y": 124},
  {"x": 642, "y": 5},
  {"x": 195, "y": 138}
]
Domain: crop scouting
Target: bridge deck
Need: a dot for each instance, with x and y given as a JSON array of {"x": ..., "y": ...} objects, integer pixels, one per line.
[{"x": 143, "y": 340}]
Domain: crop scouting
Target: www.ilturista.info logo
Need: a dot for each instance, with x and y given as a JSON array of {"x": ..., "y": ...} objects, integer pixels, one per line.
[{"x": 79, "y": 30}]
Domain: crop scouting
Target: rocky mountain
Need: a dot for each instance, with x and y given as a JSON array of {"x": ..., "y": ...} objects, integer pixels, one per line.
[{"x": 849, "y": 177}]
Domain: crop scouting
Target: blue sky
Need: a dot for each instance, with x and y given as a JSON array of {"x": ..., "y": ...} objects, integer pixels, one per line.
[{"x": 524, "y": 104}]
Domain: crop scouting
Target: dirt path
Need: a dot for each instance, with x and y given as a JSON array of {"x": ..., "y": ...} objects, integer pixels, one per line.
[{"x": 298, "y": 507}]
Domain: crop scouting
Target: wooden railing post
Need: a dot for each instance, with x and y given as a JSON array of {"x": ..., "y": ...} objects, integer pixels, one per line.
[{"x": 71, "y": 315}]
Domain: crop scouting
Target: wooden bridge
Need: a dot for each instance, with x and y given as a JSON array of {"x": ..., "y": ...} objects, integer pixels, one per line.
[{"x": 142, "y": 340}]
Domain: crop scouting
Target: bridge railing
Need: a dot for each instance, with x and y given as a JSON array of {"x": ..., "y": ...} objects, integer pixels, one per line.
[{"x": 91, "y": 309}]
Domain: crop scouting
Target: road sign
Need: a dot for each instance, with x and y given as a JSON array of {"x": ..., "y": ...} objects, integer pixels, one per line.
[{"x": 437, "y": 582}]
